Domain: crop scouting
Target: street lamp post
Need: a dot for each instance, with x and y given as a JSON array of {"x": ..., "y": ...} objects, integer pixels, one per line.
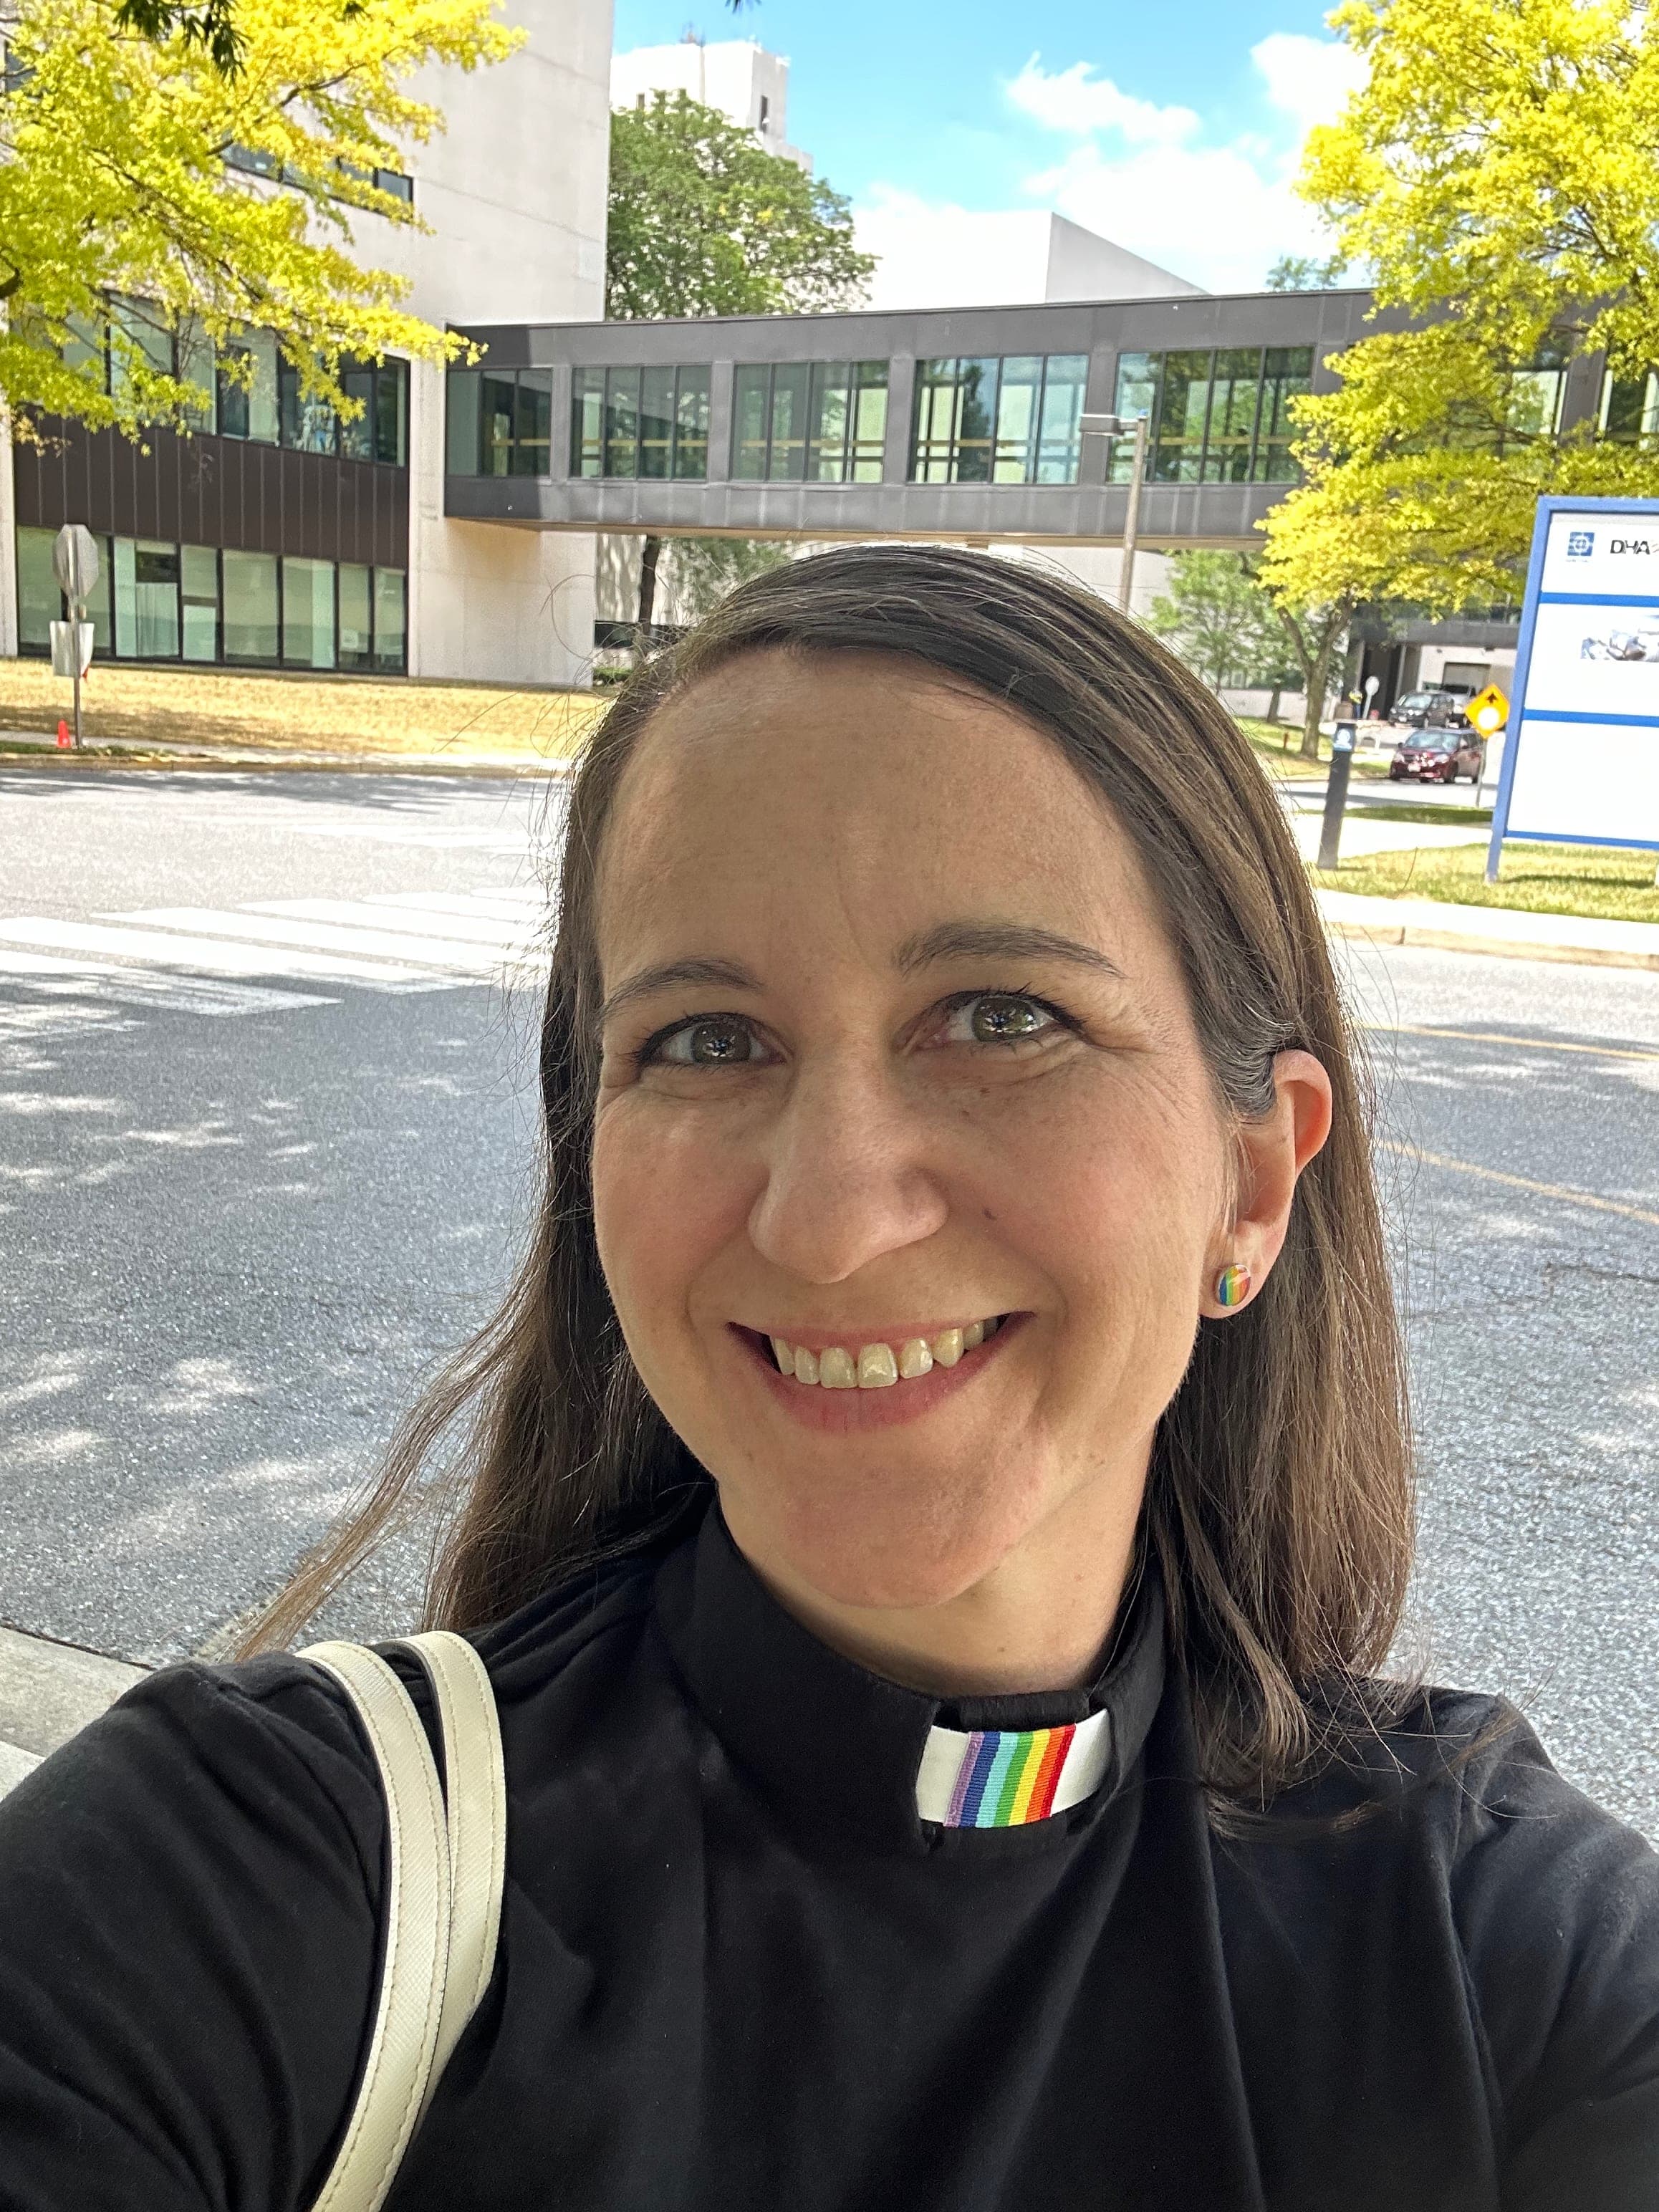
[{"x": 1121, "y": 425}]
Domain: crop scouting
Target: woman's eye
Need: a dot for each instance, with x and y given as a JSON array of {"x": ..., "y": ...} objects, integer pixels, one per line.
[
  {"x": 997, "y": 1018},
  {"x": 712, "y": 1041}
]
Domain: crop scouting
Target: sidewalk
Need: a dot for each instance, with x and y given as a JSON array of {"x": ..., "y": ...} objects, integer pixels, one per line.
[
  {"x": 1509, "y": 933},
  {"x": 48, "y": 1691}
]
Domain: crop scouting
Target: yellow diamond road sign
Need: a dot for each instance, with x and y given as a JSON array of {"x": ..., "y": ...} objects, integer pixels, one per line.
[{"x": 1488, "y": 710}]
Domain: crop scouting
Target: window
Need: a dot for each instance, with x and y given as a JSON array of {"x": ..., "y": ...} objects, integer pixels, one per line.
[
  {"x": 499, "y": 422},
  {"x": 307, "y": 613},
  {"x": 39, "y": 602},
  {"x": 199, "y": 601},
  {"x": 640, "y": 422},
  {"x": 1218, "y": 415},
  {"x": 251, "y": 630},
  {"x": 1629, "y": 413},
  {"x": 390, "y": 620},
  {"x": 146, "y": 577},
  {"x": 247, "y": 388},
  {"x": 1012, "y": 419},
  {"x": 356, "y": 618},
  {"x": 821, "y": 422}
]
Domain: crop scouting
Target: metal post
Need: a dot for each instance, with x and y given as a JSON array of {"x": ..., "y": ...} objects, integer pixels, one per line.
[
  {"x": 1336, "y": 794},
  {"x": 1132, "y": 514}
]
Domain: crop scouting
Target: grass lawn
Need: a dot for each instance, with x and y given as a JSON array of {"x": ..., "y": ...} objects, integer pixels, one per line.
[
  {"x": 1278, "y": 746},
  {"x": 1599, "y": 880},
  {"x": 304, "y": 713}
]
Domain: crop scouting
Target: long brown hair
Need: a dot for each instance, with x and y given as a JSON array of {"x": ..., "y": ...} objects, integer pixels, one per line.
[{"x": 1278, "y": 1504}]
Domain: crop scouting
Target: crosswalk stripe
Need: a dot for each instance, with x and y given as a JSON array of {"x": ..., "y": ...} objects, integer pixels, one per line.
[
  {"x": 212, "y": 955},
  {"x": 87, "y": 981},
  {"x": 323, "y": 936},
  {"x": 498, "y": 931}
]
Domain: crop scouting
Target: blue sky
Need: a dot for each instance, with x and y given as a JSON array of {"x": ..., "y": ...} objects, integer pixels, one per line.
[{"x": 1173, "y": 129}]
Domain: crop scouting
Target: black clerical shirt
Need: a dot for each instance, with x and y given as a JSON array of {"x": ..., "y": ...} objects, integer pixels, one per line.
[{"x": 738, "y": 1971}]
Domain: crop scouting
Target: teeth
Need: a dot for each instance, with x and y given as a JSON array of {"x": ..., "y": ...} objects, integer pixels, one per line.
[
  {"x": 836, "y": 1369},
  {"x": 876, "y": 1366}
]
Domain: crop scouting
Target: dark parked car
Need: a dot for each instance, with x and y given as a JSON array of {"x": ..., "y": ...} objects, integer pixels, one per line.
[
  {"x": 1442, "y": 709},
  {"x": 1438, "y": 756}
]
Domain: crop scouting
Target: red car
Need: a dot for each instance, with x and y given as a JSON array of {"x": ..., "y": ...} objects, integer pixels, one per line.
[{"x": 1436, "y": 756}]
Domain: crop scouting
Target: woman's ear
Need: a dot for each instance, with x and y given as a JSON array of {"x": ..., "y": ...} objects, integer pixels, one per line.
[{"x": 1272, "y": 1153}]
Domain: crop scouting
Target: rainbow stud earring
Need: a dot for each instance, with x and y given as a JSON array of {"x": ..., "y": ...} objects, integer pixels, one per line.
[{"x": 1232, "y": 1286}]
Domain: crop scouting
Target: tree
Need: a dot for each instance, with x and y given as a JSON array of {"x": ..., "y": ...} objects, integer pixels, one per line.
[
  {"x": 1227, "y": 624},
  {"x": 706, "y": 569},
  {"x": 703, "y": 220},
  {"x": 142, "y": 171},
  {"x": 1497, "y": 177},
  {"x": 1216, "y": 616},
  {"x": 1300, "y": 272}
]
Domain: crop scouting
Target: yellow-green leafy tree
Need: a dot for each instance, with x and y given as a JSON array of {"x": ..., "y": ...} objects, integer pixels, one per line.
[
  {"x": 215, "y": 184},
  {"x": 1496, "y": 180}
]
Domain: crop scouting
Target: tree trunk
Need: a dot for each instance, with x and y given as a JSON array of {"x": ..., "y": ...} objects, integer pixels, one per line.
[
  {"x": 1315, "y": 699},
  {"x": 650, "y": 553},
  {"x": 1273, "y": 703}
]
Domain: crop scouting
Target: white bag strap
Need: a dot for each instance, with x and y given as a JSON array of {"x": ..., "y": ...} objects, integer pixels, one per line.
[{"x": 445, "y": 1868}]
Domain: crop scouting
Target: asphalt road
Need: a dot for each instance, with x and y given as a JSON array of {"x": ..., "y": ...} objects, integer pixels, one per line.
[{"x": 244, "y": 1207}]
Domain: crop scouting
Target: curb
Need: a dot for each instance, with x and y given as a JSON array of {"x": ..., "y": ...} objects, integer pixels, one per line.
[
  {"x": 47, "y": 1692},
  {"x": 124, "y": 756},
  {"x": 1503, "y": 933}
]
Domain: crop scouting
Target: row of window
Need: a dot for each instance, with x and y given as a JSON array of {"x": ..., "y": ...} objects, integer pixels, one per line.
[
  {"x": 978, "y": 421},
  {"x": 245, "y": 389},
  {"x": 194, "y": 603},
  {"x": 1009, "y": 421},
  {"x": 254, "y": 164},
  {"x": 1219, "y": 415}
]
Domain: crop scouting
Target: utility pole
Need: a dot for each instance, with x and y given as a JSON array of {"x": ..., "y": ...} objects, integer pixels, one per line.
[{"x": 1123, "y": 426}]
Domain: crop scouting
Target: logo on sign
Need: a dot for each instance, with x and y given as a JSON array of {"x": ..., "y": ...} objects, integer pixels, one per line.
[{"x": 1580, "y": 543}]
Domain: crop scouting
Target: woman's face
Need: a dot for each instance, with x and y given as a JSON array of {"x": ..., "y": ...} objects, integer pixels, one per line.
[{"x": 896, "y": 1044}]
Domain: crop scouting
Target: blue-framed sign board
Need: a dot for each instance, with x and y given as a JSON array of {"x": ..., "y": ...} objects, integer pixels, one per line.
[{"x": 1580, "y": 765}]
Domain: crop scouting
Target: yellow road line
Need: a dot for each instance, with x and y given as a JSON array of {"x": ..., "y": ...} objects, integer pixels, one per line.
[
  {"x": 1520, "y": 1183},
  {"x": 1492, "y": 1037}
]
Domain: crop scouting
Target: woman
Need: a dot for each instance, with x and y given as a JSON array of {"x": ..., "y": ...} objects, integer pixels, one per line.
[{"x": 938, "y": 1489}]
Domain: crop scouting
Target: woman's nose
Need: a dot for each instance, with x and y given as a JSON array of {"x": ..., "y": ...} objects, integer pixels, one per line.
[{"x": 848, "y": 1178}]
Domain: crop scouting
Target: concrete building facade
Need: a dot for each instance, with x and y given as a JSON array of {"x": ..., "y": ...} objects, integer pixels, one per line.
[{"x": 742, "y": 81}]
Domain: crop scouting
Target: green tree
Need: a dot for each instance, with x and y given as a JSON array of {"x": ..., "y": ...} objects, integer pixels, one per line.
[
  {"x": 706, "y": 569},
  {"x": 1300, "y": 272},
  {"x": 703, "y": 220},
  {"x": 1229, "y": 627},
  {"x": 1497, "y": 177},
  {"x": 1217, "y": 616},
  {"x": 141, "y": 167}
]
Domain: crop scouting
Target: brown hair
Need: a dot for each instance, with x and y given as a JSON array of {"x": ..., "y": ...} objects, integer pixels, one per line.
[{"x": 1278, "y": 1504}]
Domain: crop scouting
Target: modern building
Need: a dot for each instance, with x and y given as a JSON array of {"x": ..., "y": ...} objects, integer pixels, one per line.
[
  {"x": 949, "y": 257},
  {"x": 277, "y": 537},
  {"x": 740, "y": 80}
]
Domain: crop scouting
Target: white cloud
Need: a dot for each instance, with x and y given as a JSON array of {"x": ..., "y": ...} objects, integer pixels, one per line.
[
  {"x": 1219, "y": 212},
  {"x": 1308, "y": 79},
  {"x": 1077, "y": 100}
]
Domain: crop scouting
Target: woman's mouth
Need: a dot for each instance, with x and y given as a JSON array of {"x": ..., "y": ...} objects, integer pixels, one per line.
[{"x": 871, "y": 1380}]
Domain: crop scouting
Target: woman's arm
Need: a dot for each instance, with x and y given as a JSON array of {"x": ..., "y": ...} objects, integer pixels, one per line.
[{"x": 189, "y": 1905}]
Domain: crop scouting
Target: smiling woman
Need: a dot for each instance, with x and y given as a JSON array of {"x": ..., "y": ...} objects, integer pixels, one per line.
[{"x": 934, "y": 1507}]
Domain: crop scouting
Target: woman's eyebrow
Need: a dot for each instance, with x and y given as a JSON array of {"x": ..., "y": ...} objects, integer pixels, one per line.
[
  {"x": 983, "y": 940},
  {"x": 669, "y": 974}
]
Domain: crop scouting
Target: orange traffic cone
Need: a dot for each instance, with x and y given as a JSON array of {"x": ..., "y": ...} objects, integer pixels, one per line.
[{"x": 65, "y": 740}]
